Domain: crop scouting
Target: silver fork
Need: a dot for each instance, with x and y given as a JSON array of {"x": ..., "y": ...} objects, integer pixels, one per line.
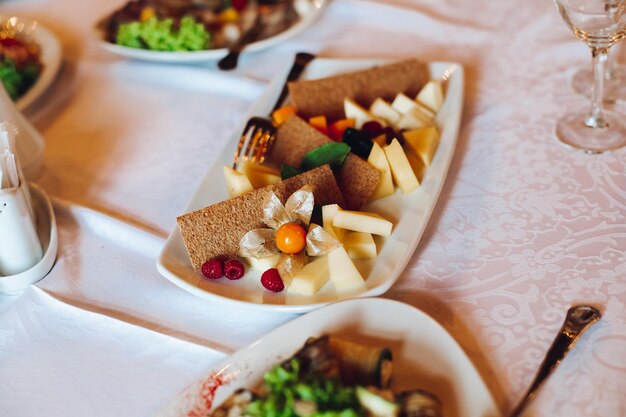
[{"x": 260, "y": 132}]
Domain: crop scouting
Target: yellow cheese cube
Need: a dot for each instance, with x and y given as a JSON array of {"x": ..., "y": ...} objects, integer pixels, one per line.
[
  {"x": 422, "y": 142},
  {"x": 329, "y": 212},
  {"x": 236, "y": 182}
]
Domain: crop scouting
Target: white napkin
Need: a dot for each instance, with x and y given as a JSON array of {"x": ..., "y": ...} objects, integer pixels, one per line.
[{"x": 58, "y": 360}]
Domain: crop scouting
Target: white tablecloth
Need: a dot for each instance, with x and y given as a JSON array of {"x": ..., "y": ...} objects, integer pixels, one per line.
[{"x": 524, "y": 227}]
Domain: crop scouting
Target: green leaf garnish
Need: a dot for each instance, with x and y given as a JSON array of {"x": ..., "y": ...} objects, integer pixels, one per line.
[
  {"x": 331, "y": 153},
  {"x": 288, "y": 171}
]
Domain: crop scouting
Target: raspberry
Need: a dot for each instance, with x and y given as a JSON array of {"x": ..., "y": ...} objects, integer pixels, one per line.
[
  {"x": 233, "y": 269},
  {"x": 212, "y": 269},
  {"x": 271, "y": 280}
]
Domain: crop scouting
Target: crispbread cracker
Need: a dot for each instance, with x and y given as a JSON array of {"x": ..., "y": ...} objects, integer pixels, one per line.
[
  {"x": 215, "y": 231},
  {"x": 357, "y": 178},
  {"x": 325, "y": 96}
]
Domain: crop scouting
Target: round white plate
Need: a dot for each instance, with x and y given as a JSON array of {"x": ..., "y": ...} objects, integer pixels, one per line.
[
  {"x": 311, "y": 10},
  {"x": 50, "y": 55},
  {"x": 409, "y": 213},
  {"x": 425, "y": 356}
]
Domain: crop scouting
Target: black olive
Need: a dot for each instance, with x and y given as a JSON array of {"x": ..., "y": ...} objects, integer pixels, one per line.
[{"x": 360, "y": 144}]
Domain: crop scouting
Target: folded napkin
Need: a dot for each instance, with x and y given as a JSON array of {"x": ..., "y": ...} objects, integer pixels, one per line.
[{"x": 58, "y": 360}]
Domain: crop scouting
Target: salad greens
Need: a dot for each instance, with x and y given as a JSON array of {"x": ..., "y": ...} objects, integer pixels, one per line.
[
  {"x": 161, "y": 35},
  {"x": 16, "y": 81},
  {"x": 289, "y": 393}
]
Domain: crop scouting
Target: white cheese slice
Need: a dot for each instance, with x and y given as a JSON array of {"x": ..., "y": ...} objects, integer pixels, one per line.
[
  {"x": 360, "y": 221},
  {"x": 237, "y": 183},
  {"x": 380, "y": 108},
  {"x": 401, "y": 169},
  {"x": 262, "y": 264},
  {"x": 354, "y": 111},
  {"x": 431, "y": 95},
  {"x": 310, "y": 278},
  {"x": 360, "y": 245},
  {"x": 342, "y": 272},
  {"x": 414, "y": 119},
  {"x": 385, "y": 185},
  {"x": 329, "y": 212}
]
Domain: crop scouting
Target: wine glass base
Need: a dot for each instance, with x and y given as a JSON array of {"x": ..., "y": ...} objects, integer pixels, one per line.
[
  {"x": 614, "y": 87},
  {"x": 572, "y": 131}
]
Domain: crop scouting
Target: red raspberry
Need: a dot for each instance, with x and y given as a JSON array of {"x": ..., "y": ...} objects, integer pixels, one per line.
[
  {"x": 212, "y": 269},
  {"x": 271, "y": 280},
  {"x": 233, "y": 269}
]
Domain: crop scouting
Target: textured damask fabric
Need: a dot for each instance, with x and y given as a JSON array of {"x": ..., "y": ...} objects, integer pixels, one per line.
[{"x": 524, "y": 227}]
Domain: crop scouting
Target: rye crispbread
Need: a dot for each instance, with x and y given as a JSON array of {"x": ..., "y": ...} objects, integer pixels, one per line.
[
  {"x": 325, "y": 96},
  {"x": 215, "y": 231},
  {"x": 357, "y": 178}
]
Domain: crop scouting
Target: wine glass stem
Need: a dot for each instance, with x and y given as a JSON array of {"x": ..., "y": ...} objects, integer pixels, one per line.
[{"x": 596, "y": 115}]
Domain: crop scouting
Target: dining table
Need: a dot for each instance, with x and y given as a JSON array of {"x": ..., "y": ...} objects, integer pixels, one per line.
[{"x": 524, "y": 227}]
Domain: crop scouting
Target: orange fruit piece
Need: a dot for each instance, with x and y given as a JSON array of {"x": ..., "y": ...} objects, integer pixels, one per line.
[
  {"x": 279, "y": 116},
  {"x": 290, "y": 238}
]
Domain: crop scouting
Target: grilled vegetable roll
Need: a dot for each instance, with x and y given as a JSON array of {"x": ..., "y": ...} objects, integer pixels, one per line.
[{"x": 363, "y": 364}]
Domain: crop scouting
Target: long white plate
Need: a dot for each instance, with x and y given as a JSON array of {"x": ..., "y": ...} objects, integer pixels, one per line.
[
  {"x": 307, "y": 14},
  {"x": 424, "y": 355},
  {"x": 409, "y": 213},
  {"x": 50, "y": 54}
]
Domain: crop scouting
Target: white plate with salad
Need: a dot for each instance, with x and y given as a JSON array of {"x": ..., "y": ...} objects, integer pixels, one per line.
[
  {"x": 423, "y": 357},
  {"x": 26, "y": 82},
  {"x": 409, "y": 213},
  {"x": 143, "y": 30}
]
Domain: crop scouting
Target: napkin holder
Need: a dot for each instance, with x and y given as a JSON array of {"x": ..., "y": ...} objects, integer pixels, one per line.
[{"x": 13, "y": 204}]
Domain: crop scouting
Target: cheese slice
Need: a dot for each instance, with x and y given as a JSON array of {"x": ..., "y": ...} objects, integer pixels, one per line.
[
  {"x": 310, "y": 278},
  {"x": 414, "y": 119},
  {"x": 360, "y": 245},
  {"x": 401, "y": 169},
  {"x": 262, "y": 264},
  {"x": 354, "y": 111},
  {"x": 342, "y": 272},
  {"x": 380, "y": 108},
  {"x": 431, "y": 95},
  {"x": 422, "y": 142},
  {"x": 385, "y": 185},
  {"x": 360, "y": 221},
  {"x": 329, "y": 212},
  {"x": 237, "y": 183}
]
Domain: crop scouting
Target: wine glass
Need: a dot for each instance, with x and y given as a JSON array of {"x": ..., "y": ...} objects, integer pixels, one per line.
[
  {"x": 614, "y": 79},
  {"x": 600, "y": 24}
]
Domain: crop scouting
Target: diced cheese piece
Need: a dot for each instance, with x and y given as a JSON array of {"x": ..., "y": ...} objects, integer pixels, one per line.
[
  {"x": 342, "y": 272},
  {"x": 310, "y": 278},
  {"x": 403, "y": 104},
  {"x": 417, "y": 165},
  {"x": 262, "y": 264},
  {"x": 360, "y": 221},
  {"x": 329, "y": 212},
  {"x": 237, "y": 183},
  {"x": 360, "y": 245},
  {"x": 354, "y": 111},
  {"x": 380, "y": 108},
  {"x": 414, "y": 119},
  {"x": 260, "y": 175},
  {"x": 401, "y": 169},
  {"x": 422, "y": 142},
  {"x": 431, "y": 95},
  {"x": 385, "y": 185}
]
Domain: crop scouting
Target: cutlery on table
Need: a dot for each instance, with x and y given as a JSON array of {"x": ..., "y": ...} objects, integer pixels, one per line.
[
  {"x": 272, "y": 17},
  {"x": 260, "y": 132},
  {"x": 578, "y": 319}
]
